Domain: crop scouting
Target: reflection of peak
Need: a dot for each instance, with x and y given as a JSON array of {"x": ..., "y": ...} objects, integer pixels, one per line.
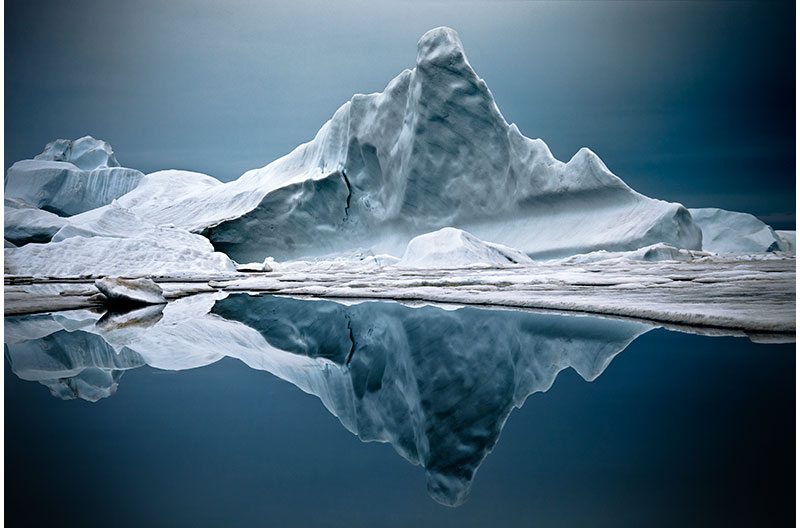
[{"x": 438, "y": 385}]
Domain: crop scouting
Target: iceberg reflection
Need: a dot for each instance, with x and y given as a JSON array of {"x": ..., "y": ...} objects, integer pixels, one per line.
[{"x": 437, "y": 384}]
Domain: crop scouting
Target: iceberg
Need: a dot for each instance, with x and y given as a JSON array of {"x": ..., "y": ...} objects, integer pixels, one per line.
[
  {"x": 430, "y": 151},
  {"x": 734, "y": 232},
  {"x": 25, "y": 223},
  {"x": 149, "y": 255},
  {"x": 455, "y": 248},
  {"x": 71, "y": 177},
  {"x": 112, "y": 240},
  {"x": 789, "y": 239},
  {"x": 655, "y": 253}
]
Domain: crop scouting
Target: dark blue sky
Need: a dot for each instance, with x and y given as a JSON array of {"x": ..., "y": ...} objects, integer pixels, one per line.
[{"x": 686, "y": 101}]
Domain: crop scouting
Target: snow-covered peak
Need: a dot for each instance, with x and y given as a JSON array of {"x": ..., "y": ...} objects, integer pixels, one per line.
[{"x": 86, "y": 153}]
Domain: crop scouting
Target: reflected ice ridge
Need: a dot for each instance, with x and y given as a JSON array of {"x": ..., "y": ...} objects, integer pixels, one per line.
[{"x": 437, "y": 384}]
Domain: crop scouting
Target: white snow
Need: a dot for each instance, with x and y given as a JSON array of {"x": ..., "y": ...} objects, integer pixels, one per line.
[
  {"x": 733, "y": 232},
  {"x": 454, "y": 248},
  {"x": 256, "y": 266},
  {"x": 152, "y": 254},
  {"x": 113, "y": 240},
  {"x": 137, "y": 291},
  {"x": 71, "y": 177},
  {"x": 733, "y": 292}
]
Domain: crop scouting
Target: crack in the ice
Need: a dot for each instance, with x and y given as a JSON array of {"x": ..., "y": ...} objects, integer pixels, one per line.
[
  {"x": 349, "y": 193},
  {"x": 352, "y": 343}
]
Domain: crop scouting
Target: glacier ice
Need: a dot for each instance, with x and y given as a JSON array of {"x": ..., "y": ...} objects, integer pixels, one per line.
[
  {"x": 71, "y": 177},
  {"x": 455, "y": 248},
  {"x": 734, "y": 232}
]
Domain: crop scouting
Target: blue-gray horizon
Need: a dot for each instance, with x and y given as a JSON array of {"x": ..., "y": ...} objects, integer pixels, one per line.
[{"x": 687, "y": 102}]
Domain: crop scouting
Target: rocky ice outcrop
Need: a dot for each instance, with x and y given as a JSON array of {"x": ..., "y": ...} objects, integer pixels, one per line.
[
  {"x": 454, "y": 248},
  {"x": 432, "y": 150},
  {"x": 733, "y": 232},
  {"x": 71, "y": 177}
]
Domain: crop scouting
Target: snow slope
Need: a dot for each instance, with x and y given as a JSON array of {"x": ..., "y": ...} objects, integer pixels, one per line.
[
  {"x": 733, "y": 232},
  {"x": 432, "y": 150}
]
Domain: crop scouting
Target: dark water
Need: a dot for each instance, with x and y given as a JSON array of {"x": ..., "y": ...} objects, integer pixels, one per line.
[{"x": 673, "y": 429}]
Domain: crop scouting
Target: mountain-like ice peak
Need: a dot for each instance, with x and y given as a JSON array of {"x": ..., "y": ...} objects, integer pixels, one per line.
[{"x": 431, "y": 151}]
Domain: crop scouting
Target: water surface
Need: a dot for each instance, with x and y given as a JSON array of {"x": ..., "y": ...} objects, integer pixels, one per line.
[{"x": 200, "y": 419}]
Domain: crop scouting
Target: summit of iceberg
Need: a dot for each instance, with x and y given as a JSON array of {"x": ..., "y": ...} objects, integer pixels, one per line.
[
  {"x": 71, "y": 177},
  {"x": 430, "y": 151}
]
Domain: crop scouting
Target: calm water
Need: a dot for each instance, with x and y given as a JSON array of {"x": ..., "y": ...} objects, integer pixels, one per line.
[{"x": 672, "y": 430}]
